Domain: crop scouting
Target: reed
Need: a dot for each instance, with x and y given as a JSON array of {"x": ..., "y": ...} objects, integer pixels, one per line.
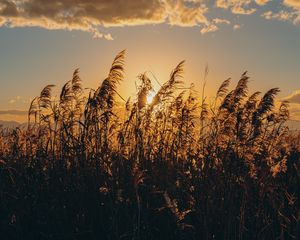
[{"x": 100, "y": 167}]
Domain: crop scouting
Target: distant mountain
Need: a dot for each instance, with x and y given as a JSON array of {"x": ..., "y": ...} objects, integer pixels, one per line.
[{"x": 9, "y": 124}]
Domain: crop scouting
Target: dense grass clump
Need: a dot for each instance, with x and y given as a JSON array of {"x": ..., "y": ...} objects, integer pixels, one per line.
[{"x": 179, "y": 167}]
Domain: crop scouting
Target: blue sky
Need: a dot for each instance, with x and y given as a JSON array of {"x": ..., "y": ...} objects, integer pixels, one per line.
[{"x": 41, "y": 43}]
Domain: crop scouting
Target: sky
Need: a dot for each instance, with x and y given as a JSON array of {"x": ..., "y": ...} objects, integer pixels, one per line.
[{"x": 42, "y": 42}]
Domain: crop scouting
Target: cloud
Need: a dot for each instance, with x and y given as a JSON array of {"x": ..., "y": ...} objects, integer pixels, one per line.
[
  {"x": 236, "y": 6},
  {"x": 292, "y": 3},
  {"x": 91, "y": 15},
  {"x": 209, "y": 28},
  {"x": 219, "y": 21},
  {"x": 18, "y": 99},
  {"x": 85, "y": 15},
  {"x": 294, "y": 102},
  {"x": 281, "y": 15},
  {"x": 213, "y": 25},
  {"x": 262, "y": 2},
  {"x": 13, "y": 112},
  {"x": 180, "y": 14},
  {"x": 97, "y": 16},
  {"x": 294, "y": 97},
  {"x": 290, "y": 12}
]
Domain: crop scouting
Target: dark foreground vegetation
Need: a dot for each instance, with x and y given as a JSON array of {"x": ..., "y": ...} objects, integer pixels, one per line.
[{"x": 180, "y": 167}]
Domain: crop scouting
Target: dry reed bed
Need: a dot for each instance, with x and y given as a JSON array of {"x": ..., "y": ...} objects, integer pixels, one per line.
[{"x": 176, "y": 168}]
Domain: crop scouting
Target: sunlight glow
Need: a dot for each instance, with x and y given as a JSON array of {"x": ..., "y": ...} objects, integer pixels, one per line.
[{"x": 150, "y": 97}]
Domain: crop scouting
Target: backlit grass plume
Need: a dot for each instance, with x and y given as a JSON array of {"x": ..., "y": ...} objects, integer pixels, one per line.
[{"x": 182, "y": 166}]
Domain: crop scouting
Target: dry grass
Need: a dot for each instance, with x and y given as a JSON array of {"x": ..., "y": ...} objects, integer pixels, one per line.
[{"x": 178, "y": 168}]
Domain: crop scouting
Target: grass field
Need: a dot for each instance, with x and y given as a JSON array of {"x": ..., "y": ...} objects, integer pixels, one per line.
[{"x": 172, "y": 165}]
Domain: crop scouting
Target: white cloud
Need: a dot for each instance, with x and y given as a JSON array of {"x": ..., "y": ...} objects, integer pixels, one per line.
[
  {"x": 97, "y": 16},
  {"x": 281, "y": 15},
  {"x": 292, "y": 3},
  {"x": 236, "y": 6},
  {"x": 294, "y": 97},
  {"x": 90, "y": 15},
  {"x": 181, "y": 15},
  {"x": 209, "y": 28},
  {"x": 262, "y": 2}
]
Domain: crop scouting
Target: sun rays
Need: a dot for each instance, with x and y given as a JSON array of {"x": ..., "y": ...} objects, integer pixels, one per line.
[{"x": 150, "y": 97}]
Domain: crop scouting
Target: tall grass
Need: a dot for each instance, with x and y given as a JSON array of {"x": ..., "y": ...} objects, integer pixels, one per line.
[{"x": 179, "y": 167}]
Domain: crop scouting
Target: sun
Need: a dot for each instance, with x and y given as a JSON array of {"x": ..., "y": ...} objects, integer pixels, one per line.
[{"x": 150, "y": 97}]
